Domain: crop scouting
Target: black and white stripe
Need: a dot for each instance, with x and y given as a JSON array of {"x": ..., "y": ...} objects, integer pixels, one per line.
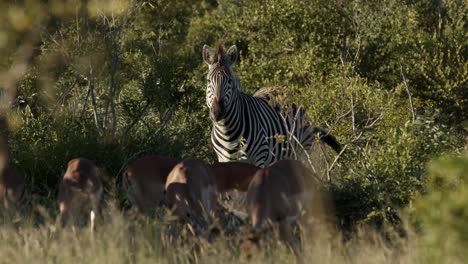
[{"x": 247, "y": 127}]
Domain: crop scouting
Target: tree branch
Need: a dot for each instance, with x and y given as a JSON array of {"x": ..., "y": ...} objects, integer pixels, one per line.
[
  {"x": 353, "y": 120},
  {"x": 85, "y": 104},
  {"x": 167, "y": 116},
  {"x": 60, "y": 101},
  {"x": 112, "y": 89},
  {"x": 93, "y": 100},
  {"x": 135, "y": 120},
  {"x": 413, "y": 112}
]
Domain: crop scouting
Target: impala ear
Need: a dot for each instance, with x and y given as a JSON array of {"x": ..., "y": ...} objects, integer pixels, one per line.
[
  {"x": 232, "y": 54},
  {"x": 208, "y": 54}
]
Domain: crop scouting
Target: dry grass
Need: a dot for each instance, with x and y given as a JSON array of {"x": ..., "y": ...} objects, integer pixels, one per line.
[{"x": 130, "y": 238}]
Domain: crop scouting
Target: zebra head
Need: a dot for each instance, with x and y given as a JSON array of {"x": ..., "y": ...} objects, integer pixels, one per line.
[{"x": 222, "y": 82}]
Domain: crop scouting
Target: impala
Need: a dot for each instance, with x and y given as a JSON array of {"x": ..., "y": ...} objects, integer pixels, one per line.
[
  {"x": 281, "y": 194},
  {"x": 80, "y": 193},
  {"x": 233, "y": 175},
  {"x": 191, "y": 192},
  {"x": 145, "y": 179},
  {"x": 11, "y": 186}
]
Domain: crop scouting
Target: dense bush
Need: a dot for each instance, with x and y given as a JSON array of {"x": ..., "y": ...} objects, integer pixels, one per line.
[{"x": 351, "y": 64}]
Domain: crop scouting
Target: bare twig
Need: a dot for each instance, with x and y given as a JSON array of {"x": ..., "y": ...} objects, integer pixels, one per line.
[
  {"x": 353, "y": 121},
  {"x": 85, "y": 103},
  {"x": 291, "y": 132},
  {"x": 93, "y": 100},
  {"x": 167, "y": 116},
  {"x": 281, "y": 51},
  {"x": 369, "y": 123},
  {"x": 343, "y": 115},
  {"x": 331, "y": 127},
  {"x": 112, "y": 89},
  {"x": 61, "y": 100},
  {"x": 135, "y": 120},
  {"x": 326, "y": 162},
  {"x": 372, "y": 123},
  {"x": 343, "y": 149},
  {"x": 336, "y": 159},
  {"x": 293, "y": 138},
  {"x": 358, "y": 34},
  {"x": 413, "y": 112}
]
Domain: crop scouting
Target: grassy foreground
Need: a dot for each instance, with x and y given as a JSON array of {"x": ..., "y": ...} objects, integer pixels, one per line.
[{"x": 131, "y": 238}]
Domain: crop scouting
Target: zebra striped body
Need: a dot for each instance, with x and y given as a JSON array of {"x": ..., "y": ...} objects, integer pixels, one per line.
[
  {"x": 246, "y": 127},
  {"x": 253, "y": 130}
]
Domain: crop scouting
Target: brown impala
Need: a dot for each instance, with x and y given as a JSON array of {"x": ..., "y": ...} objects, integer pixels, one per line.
[
  {"x": 191, "y": 192},
  {"x": 280, "y": 193},
  {"x": 80, "y": 193},
  {"x": 11, "y": 186},
  {"x": 145, "y": 180},
  {"x": 233, "y": 175}
]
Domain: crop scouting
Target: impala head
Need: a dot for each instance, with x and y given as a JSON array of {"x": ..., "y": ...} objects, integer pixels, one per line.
[{"x": 222, "y": 82}]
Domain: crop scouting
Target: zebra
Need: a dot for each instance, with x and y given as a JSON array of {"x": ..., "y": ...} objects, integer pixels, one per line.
[{"x": 247, "y": 127}]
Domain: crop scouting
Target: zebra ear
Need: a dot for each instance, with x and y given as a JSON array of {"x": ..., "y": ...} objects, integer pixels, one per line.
[
  {"x": 232, "y": 54},
  {"x": 208, "y": 54}
]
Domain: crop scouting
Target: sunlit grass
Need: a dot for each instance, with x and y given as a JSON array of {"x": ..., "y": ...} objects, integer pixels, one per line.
[{"x": 127, "y": 237}]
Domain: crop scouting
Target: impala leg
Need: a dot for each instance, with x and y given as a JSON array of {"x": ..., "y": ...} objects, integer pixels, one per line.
[
  {"x": 286, "y": 234},
  {"x": 95, "y": 200},
  {"x": 64, "y": 214},
  {"x": 92, "y": 216}
]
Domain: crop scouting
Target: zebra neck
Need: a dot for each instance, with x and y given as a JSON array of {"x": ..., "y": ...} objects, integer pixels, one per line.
[{"x": 234, "y": 112}]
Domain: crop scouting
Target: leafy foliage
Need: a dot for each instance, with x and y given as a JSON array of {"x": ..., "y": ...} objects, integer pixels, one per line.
[{"x": 443, "y": 210}]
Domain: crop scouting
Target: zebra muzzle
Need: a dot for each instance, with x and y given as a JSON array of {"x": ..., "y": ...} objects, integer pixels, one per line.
[{"x": 216, "y": 113}]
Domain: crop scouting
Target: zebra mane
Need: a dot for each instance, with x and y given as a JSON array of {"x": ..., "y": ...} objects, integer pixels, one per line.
[
  {"x": 220, "y": 54},
  {"x": 223, "y": 65}
]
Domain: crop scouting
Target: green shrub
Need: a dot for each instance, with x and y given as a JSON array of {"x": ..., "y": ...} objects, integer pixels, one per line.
[{"x": 442, "y": 212}]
